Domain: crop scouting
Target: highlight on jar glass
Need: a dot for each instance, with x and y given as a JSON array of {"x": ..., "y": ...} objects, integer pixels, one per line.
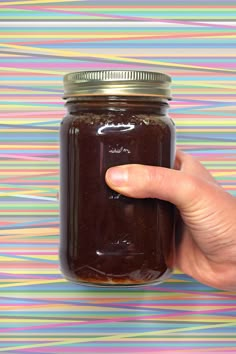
[{"x": 114, "y": 118}]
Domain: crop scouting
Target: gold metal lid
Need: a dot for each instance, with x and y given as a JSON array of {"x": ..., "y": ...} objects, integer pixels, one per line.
[{"x": 117, "y": 83}]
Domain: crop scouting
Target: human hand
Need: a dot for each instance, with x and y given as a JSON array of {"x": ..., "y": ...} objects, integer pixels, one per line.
[{"x": 206, "y": 229}]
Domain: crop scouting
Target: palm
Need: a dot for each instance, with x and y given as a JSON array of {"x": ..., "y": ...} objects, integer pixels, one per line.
[{"x": 201, "y": 251}]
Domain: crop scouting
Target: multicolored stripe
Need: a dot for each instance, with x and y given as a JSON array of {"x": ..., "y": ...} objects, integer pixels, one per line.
[{"x": 40, "y": 41}]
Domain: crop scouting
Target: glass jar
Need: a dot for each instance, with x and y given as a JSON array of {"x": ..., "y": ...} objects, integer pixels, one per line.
[{"x": 114, "y": 118}]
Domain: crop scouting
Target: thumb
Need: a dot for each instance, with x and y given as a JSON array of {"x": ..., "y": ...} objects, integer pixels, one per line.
[{"x": 141, "y": 181}]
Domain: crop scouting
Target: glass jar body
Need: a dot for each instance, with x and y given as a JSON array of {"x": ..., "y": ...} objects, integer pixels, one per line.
[{"x": 107, "y": 238}]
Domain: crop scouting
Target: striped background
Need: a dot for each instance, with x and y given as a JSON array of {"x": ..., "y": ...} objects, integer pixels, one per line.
[{"x": 39, "y": 42}]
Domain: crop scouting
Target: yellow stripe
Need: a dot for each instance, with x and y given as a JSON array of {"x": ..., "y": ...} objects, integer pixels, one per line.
[
  {"x": 31, "y": 271},
  {"x": 27, "y": 70},
  {"x": 34, "y": 258},
  {"x": 43, "y": 257},
  {"x": 29, "y": 320},
  {"x": 33, "y": 2},
  {"x": 33, "y": 282},
  {"x": 26, "y": 192},
  {"x": 31, "y": 232},
  {"x": 12, "y": 259}
]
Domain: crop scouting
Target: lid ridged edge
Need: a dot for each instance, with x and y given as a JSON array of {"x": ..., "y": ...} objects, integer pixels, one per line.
[
  {"x": 120, "y": 82},
  {"x": 115, "y": 75}
]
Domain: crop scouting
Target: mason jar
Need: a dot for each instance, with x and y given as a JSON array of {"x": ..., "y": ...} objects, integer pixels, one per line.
[{"x": 114, "y": 118}]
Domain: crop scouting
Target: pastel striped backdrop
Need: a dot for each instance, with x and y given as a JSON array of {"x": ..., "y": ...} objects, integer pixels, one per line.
[{"x": 40, "y": 40}]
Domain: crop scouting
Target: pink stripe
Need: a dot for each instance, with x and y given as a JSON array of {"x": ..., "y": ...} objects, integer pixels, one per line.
[{"x": 92, "y": 349}]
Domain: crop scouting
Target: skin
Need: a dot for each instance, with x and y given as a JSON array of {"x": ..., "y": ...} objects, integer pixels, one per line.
[{"x": 206, "y": 224}]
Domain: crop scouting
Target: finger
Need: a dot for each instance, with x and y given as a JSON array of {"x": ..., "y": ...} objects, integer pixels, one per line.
[
  {"x": 188, "y": 163},
  {"x": 140, "y": 181},
  {"x": 178, "y": 160}
]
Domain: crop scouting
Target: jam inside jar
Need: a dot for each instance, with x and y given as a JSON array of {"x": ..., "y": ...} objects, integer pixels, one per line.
[{"x": 107, "y": 238}]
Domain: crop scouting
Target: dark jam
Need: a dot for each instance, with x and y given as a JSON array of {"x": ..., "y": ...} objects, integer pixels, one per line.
[{"x": 107, "y": 238}]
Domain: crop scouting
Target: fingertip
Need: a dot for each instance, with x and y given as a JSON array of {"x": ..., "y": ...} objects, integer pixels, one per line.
[
  {"x": 116, "y": 176},
  {"x": 179, "y": 159}
]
